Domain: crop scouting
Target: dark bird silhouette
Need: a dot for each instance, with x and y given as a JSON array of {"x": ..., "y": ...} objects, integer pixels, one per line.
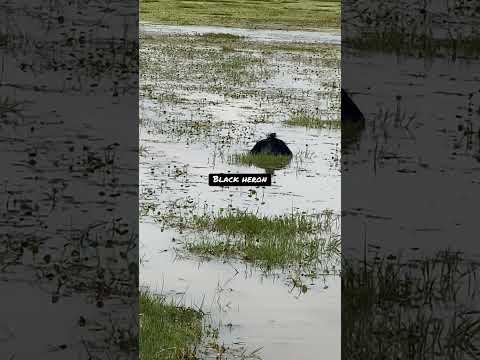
[
  {"x": 271, "y": 145},
  {"x": 351, "y": 114}
]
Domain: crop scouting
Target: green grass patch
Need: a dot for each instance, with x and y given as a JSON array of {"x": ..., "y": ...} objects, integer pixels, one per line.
[
  {"x": 263, "y": 161},
  {"x": 276, "y": 241},
  {"x": 313, "y": 122},
  {"x": 168, "y": 331},
  {"x": 269, "y": 14},
  {"x": 240, "y": 223}
]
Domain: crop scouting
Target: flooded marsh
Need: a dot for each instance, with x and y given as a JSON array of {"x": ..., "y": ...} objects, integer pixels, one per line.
[
  {"x": 69, "y": 237},
  {"x": 410, "y": 271},
  {"x": 252, "y": 256}
]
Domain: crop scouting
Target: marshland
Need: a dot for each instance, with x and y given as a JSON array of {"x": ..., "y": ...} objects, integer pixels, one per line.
[
  {"x": 258, "y": 265},
  {"x": 68, "y": 248}
]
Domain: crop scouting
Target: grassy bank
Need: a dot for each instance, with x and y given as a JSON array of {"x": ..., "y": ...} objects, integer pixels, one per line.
[
  {"x": 168, "y": 332},
  {"x": 276, "y": 14}
]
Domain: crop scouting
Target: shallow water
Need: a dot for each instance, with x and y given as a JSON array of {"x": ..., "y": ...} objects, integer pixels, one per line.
[
  {"x": 63, "y": 174},
  {"x": 193, "y": 133},
  {"x": 436, "y": 162},
  {"x": 325, "y": 37},
  {"x": 250, "y": 308},
  {"x": 311, "y": 185}
]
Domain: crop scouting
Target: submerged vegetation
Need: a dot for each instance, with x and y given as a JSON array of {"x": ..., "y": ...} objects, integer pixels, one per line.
[
  {"x": 276, "y": 14},
  {"x": 168, "y": 331}
]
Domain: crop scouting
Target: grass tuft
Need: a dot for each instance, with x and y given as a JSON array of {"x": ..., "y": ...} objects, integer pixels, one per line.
[
  {"x": 276, "y": 241},
  {"x": 313, "y": 122},
  {"x": 168, "y": 331}
]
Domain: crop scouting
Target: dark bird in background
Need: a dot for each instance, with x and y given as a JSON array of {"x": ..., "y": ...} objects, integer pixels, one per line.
[
  {"x": 351, "y": 114},
  {"x": 271, "y": 145}
]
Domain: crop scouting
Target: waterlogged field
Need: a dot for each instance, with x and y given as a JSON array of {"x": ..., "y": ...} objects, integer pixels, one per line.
[
  {"x": 419, "y": 284},
  {"x": 410, "y": 274},
  {"x": 259, "y": 265},
  {"x": 68, "y": 247}
]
